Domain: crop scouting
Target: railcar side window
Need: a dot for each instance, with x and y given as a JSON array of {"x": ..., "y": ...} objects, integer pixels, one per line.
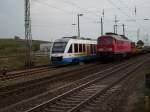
[
  {"x": 83, "y": 47},
  {"x": 94, "y": 48},
  {"x": 80, "y": 47},
  {"x": 70, "y": 49},
  {"x": 91, "y": 48},
  {"x": 75, "y": 48}
]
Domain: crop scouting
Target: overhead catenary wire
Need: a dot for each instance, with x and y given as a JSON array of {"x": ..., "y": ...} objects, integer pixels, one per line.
[
  {"x": 125, "y": 13},
  {"x": 90, "y": 12},
  {"x": 112, "y": 3},
  {"x": 76, "y": 5},
  {"x": 73, "y": 13},
  {"x": 65, "y": 11}
]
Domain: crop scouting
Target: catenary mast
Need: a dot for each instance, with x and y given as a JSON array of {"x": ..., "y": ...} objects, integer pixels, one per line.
[{"x": 28, "y": 35}]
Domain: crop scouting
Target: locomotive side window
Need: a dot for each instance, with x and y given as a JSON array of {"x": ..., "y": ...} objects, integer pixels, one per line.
[
  {"x": 70, "y": 49},
  {"x": 99, "y": 41},
  {"x": 75, "y": 48},
  {"x": 80, "y": 47}
]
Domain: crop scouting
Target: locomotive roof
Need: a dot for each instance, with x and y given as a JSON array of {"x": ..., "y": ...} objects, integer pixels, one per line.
[{"x": 118, "y": 37}]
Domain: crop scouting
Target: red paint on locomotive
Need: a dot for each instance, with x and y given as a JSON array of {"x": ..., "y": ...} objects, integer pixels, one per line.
[{"x": 113, "y": 44}]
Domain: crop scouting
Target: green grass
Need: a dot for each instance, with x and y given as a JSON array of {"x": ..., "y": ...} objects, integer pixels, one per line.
[{"x": 12, "y": 47}]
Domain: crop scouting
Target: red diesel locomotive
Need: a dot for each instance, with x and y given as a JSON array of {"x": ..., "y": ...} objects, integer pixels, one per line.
[{"x": 112, "y": 45}]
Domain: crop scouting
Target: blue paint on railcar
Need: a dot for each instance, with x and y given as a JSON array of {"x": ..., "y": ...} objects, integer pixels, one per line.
[{"x": 74, "y": 59}]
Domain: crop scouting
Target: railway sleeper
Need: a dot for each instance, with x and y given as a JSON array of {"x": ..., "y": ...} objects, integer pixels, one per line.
[
  {"x": 88, "y": 90},
  {"x": 60, "y": 107},
  {"x": 104, "y": 100},
  {"x": 82, "y": 94},
  {"x": 51, "y": 110},
  {"x": 98, "y": 108},
  {"x": 91, "y": 109},
  {"x": 88, "y": 93},
  {"x": 70, "y": 100},
  {"x": 95, "y": 105},
  {"x": 95, "y": 87},
  {"x": 82, "y": 97},
  {"x": 65, "y": 104}
]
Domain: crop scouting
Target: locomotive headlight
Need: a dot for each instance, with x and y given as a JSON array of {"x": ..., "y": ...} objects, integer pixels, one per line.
[
  {"x": 109, "y": 49},
  {"x": 100, "y": 49},
  {"x": 105, "y": 49}
]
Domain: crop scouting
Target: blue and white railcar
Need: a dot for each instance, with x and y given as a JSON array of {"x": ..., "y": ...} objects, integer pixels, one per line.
[{"x": 69, "y": 50}]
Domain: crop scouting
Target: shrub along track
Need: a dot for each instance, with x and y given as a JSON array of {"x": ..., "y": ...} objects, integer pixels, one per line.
[
  {"x": 16, "y": 93},
  {"x": 25, "y": 104},
  {"x": 86, "y": 96}
]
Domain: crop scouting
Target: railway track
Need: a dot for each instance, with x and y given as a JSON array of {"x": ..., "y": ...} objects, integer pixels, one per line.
[
  {"x": 55, "y": 92},
  {"x": 36, "y": 87},
  {"x": 27, "y": 72},
  {"x": 83, "y": 95}
]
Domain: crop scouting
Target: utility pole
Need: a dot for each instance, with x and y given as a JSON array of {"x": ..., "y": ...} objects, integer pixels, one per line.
[
  {"x": 115, "y": 27},
  {"x": 28, "y": 35},
  {"x": 123, "y": 29},
  {"x": 138, "y": 34},
  {"x": 101, "y": 26},
  {"x": 78, "y": 26},
  {"x": 147, "y": 40}
]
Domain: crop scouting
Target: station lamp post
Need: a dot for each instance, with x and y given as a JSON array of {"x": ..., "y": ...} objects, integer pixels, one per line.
[
  {"x": 146, "y": 19},
  {"x": 74, "y": 25},
  {"x": 147, "y": 40},
  {"x": 79, "y": 24}
]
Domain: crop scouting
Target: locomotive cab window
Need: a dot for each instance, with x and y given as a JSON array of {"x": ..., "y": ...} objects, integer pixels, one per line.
[
  {"x": 70, "y": 49},
  {"x": 105, "y": 40}
]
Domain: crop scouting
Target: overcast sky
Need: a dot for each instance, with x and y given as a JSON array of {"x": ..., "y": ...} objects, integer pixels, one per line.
[{"x": 53, "y": 19}]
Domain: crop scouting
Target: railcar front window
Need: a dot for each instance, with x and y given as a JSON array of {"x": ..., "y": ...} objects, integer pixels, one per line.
[
  {"x": 70, "y": 49},
  {"x": 59, "y": 47}
]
